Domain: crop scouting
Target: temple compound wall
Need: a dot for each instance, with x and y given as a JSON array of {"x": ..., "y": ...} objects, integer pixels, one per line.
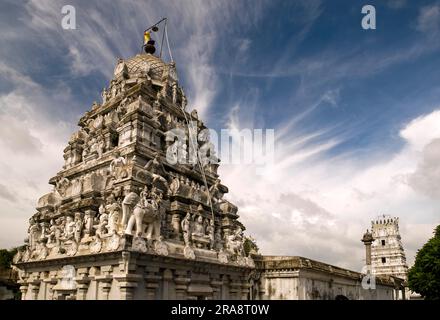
[{"x": 298, "y": 278}]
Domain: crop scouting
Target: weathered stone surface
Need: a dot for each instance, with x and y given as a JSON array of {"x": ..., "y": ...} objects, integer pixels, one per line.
[
  {"x": 387, "y": 254},
  {"x": 298, "y": 278},
  {"x": 118, "y": 201}
]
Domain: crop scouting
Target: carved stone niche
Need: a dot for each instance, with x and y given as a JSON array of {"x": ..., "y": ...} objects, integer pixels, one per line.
[
  {"x": 111, "y": 119},
  {"x": 125, "y": 134},
  {"x": 93, "y": 182},
  {"x": 144, "y": 106}
]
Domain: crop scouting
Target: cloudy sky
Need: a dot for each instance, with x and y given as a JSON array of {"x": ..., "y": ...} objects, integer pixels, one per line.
[{"x": 356, "y": 113}]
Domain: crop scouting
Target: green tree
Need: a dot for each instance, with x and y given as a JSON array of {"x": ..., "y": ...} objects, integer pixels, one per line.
[
  {"x": 6, "y": 257},
  {"x": 250, "y": 246},
  {"x": 424, "y": 276}
]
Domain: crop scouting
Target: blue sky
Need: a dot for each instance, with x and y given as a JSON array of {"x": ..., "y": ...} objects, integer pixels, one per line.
[{"x": 354, "y": 110}]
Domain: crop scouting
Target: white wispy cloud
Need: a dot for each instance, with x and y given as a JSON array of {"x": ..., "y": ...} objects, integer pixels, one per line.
[
  {"x": 307, "y": 203},
  {"x": 106, "y": 32},
  {"x": 32, "y": 143},
  {"x": 428, "y": 20},
  {"x": 310, "y": 204}
]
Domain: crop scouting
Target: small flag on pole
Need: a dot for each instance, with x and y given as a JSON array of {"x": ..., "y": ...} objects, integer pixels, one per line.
[{"x": 147, "y": 37}]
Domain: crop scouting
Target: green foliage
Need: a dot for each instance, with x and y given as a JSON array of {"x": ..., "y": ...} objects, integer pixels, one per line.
[
  {"x": 6, "y": 257},
  {"x": 249, "y": 246},
  {"x": 424, "y": 276}
]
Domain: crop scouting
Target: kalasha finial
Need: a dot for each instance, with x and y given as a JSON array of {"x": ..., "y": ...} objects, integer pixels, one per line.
[{"x": 368, "y": 237}]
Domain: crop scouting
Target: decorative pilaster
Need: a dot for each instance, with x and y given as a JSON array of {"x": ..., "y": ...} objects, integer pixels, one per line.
[
  {"x": 23, "y": 289},
  {"x": 32, "y": 283},
  {"x": 127, "y": 285},
  {"x": 235, "y": 290},
  {"x": 35, "y": 288},
  {"x": 50, "y": 281},
  {"x": 152, "y": 283},
  {"x": 88, "y": 227},
  {"x": 167, "y": 277},
  {"x": 182, "y": 281},
  {"x": 83, "y": 282},
  {"x": 216, "y": 285},
  {"x": 105, "y": 281},
  {"x": 245, "y": 289}
]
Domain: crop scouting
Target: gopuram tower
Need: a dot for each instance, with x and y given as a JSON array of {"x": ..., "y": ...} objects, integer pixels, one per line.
[
  {"x": 135, "y": 212},
  {"x": 387, "y": 253}
]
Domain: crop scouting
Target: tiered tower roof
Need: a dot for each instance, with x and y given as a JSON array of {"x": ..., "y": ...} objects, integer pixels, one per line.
[
  {"x": 118, "y": 188},
  {"x": 387, "y": 253}
]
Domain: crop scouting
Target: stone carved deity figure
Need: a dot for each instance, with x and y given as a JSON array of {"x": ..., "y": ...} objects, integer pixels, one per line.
[
  {"x": 135, "y": 219},
  {"x": 44, "y": 230},
  {"x": 144, "y": 193},
  {"x": 86, "y": 149},
  {"x": 52, "y": 231},
  {"x": 100, "y": 146},
  {"x": 117, "y": 166},
  {"x": 234, "y": 242},
  {"x": 113, "y": 88},
  {"x": 216, "y": 192},
  {"x": 156, "y": 169},
  {"x": 59, "y": 230},
  {"x": 197, "y": 195},
  {"x": 192, "y": 189},
  {"x": 182, "y": 155},
  {"x": 147, "y": 211},
  {"x": 101, "y": 228},
  {"x": 69, "y": 228},
  {"x": 34, "y": 233},
  {"x": 199, "y": 228},
  {"x": 153, "y": 216},
  {"x": 78, "y": 226},
  {"x": 186, "y": 229},
  {"x": 77, "y": 186},
  {"x": 93, "y": 146},
  {"x": 175, "y": 224},
  {"x": 113, "y": 210},
  {"x": 194, "y": 114},
  {"x": 104, "y": 95},
  {"x": 128, "y": 204},
  {"x": 62, "y": 185},
  {"x": 157, "y": 115},
  {"x": 88, "y": 222},
  {"x": 174, "y": 186},
  {"x": 203, "y": 194},
  {"x": 218, "y": 243},
  {"x": 210, "y": 230}
]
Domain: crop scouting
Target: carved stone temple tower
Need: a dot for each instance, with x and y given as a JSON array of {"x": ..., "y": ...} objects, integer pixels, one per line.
[
  {"x": 387, "y": 254},
  {"x": 126, "y": 221}
]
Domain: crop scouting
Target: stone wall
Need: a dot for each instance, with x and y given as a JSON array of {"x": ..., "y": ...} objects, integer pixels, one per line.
[
  {"x": 297, "y": 278},
  {"x": 137, "y": 276}
]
